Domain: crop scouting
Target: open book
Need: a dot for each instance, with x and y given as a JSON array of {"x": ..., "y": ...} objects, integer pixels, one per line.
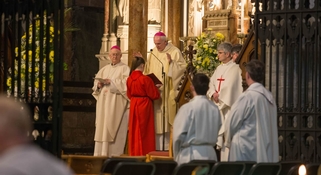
[{"x": 154, "y": 78}]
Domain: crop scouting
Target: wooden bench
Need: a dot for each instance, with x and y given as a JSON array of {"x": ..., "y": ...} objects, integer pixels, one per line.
[
  {"x": 158, "y": 155},
  {"x": 137, "y": 158},
  {"x": 85, "y": 164}
]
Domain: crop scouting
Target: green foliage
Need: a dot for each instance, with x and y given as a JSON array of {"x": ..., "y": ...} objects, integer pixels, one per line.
[{"x": 206, "y": 59}]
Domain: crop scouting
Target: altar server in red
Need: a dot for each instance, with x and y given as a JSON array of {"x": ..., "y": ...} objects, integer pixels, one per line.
[{"x": 141, "y": 91}]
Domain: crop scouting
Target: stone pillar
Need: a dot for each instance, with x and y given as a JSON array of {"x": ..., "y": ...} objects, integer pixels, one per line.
[
  {"x": 170, "y": 16},
  {"x": 122, "y": 34},
  {"x": 176, "y": 17},
  {"x": 138, "y": 21},
  {"x": 163, "y": 12},
  {"x": 106, "y": 26},
  {"x": 103, "y": 53},
  {"x": 246, "y": 17},
  {"x": 233, "y": 23}
]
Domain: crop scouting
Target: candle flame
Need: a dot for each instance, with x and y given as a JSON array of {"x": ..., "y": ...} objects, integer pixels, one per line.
[{"x": 302, "y": 170}]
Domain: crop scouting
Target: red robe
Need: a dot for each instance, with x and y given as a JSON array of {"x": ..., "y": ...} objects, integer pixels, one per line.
[{"x": 141, "y": 91}]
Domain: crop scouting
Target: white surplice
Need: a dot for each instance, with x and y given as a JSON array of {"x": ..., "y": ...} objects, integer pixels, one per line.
[
  {"x": 173, "y": 75},
  {"x": 251, "y": 129},
  {"x": 227, "y": 81},
  {"x": 195, "y": 130},
  {"x": 111, "y": 110}
]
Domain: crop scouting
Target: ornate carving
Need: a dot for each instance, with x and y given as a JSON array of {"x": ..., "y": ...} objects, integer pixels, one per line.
[
  {"x": 292, "y": 144},
  {"x": 278, "y": 27},
  {"x": 89, "y": 166},
  {"x": 293, "y": 28},
  {"x": 280, "y": 122},
  {"x": 217, "y": 13},
  {"x": 307, "y": 147},
  {"x": 309, "y": 27},
  {"x": 50, "y": 113},
  {"x": 184, "y": 94},
  {"x": 217, "y": 23},
  {"x": 264, "y": 30}
]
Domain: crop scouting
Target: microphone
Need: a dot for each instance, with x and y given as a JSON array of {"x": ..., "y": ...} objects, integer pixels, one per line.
[{"x": 163, "y": 73}]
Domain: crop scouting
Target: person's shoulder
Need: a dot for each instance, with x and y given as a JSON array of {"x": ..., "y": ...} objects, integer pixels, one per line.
[
  {"x": 173, "y": 48},
  {"x": 234, "y": 68},
  {"x": 123, "y": 65},
  {"x": 104, "y": 67},
  {"x": 211, "y": 104},
  {"x": 187, "y": 106},
  {"x": 52, "y": 163},
  {"x": 29, "y": 155},
  {"x": 233, "y": 65},
  {"x": 244, "y": 97}
]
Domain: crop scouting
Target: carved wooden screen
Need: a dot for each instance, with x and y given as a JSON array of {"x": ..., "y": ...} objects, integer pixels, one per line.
[
  {"x": 32, "y": 63},
  {"x": 289, "y": 34}
]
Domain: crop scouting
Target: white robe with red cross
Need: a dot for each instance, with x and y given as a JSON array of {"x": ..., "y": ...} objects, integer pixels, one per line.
[{"x": 227, "y": 81}]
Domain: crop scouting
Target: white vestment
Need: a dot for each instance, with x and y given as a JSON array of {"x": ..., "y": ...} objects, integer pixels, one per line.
[
  {"x": 227, "y": 81},
  {"x": 251, "y": 129},
  {"x": 195, "y": 130},
  {"x": 111, "y": 110},
  {"x": 173, "y": 74}
]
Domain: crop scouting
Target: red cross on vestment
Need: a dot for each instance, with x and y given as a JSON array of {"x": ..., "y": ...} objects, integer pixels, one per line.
[{"x": 219, "y": 84}]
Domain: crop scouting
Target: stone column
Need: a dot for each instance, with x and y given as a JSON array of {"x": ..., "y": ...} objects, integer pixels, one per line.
[
  {"x": 103, "y": 53},
  {"x": 163, "y": 12},
  {"x": 246, "y": 17},
  {"x": 176, "y": 17},
  {"x": 138, "y": 21},
  {"x": 170, "y": 14},
  {"x": 106, "y": 27},
  {"x": 233, "y": 23}
]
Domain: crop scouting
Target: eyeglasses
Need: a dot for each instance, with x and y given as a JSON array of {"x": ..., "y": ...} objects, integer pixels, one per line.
[{"x": 114, "y": 54}]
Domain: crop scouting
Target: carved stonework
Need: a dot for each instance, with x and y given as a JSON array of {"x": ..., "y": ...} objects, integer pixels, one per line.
[
  {"x": 221, "y": 21},
  {"x": 217, "y": 13},
  {"x": 195, "y": 12},
  {"x": 154, "y": 12}
]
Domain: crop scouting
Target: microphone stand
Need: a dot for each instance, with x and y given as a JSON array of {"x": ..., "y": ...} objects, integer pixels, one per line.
[{"x": 163, "y": 99}]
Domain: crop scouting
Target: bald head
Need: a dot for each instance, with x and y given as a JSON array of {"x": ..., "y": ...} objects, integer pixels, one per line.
[{"x": 15, "y": 123}]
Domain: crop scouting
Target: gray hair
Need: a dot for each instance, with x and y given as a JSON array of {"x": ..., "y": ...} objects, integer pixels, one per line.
[
  {"x": 225, "y": 46},
  {"x": 163, "y": 38}
]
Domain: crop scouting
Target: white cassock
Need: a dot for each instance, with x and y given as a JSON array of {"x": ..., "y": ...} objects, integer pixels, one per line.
[
  {"x": 251, "y": 129},
  {"x": 111, "y": 111},
  {"x": 227, "y": 81},
  {"x": 173, "y": 75},
  {"x": 195, "y": 130}
]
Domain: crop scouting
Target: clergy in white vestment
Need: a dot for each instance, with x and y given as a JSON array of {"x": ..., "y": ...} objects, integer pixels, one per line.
[
  {"x": 165, "y": 56},
  {"x": 112, "y": 106},
  {"x": 225, "y": 88},
  {"x": 251, "y": 129},
  {"x": 196, "y": 125}
]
